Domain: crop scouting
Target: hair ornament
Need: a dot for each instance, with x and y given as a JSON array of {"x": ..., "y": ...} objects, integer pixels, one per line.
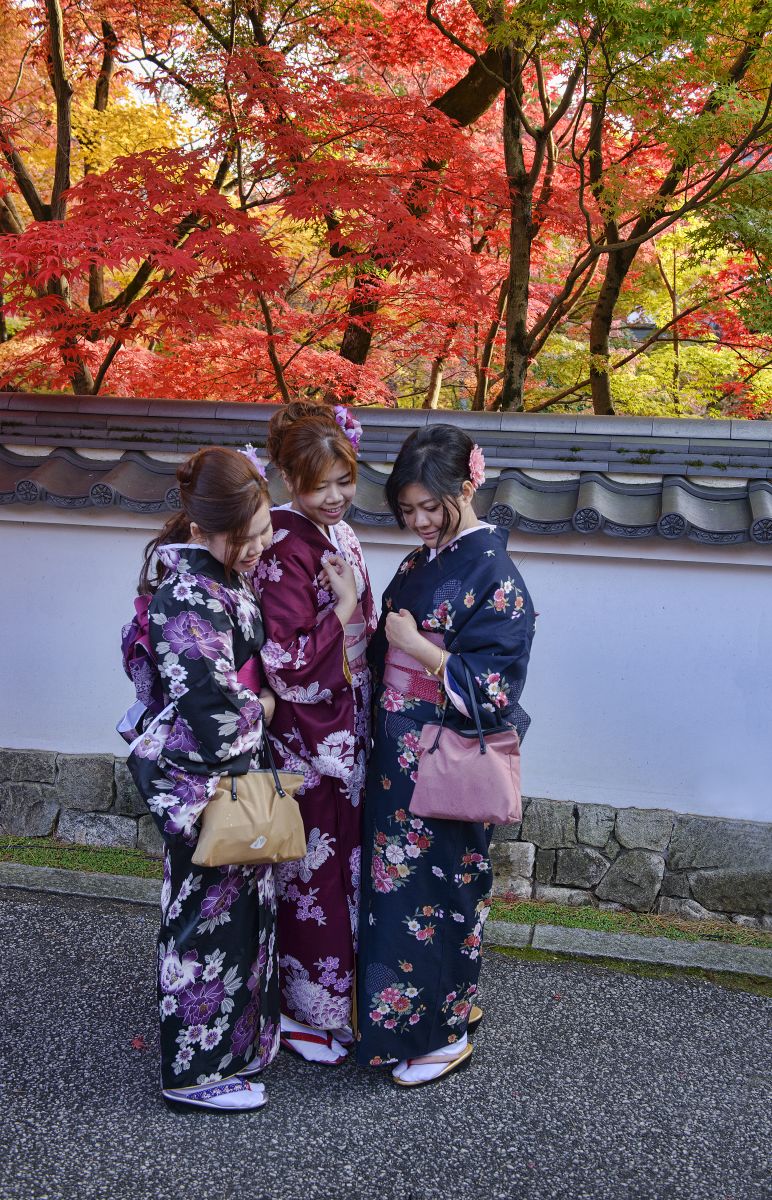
[
  {"x": 477, "y": 466},
  {"x": 349, "y": 424},
  {"x": 249, "y": 452}
]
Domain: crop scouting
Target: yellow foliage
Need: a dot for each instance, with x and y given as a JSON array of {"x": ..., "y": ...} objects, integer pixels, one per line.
[{"x": 126, "y": 127}]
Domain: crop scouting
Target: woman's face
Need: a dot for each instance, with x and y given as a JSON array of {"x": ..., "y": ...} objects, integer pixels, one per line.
[
  {"x": 258, "y": 538},
  {"x": 424, "y": 514},
  {"x": 327, "y": 503}
]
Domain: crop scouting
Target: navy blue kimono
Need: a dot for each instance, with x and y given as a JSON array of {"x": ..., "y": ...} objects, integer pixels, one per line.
[{"x": 426, "y": 887}]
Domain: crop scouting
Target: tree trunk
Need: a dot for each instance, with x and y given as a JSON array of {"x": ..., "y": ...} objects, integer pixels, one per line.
[
  {"x": 435, "y": 383},
  {"x": 96, "y": 275},
  {"x": 600, "y": 328},
  {"x": 464, "y": 102},
  {"x": 483, "y": 369},
  {"x": 521, "y": 234}
]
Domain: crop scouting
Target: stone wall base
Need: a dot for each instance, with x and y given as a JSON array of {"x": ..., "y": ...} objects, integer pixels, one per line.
[{"x": 644, "y": 859}]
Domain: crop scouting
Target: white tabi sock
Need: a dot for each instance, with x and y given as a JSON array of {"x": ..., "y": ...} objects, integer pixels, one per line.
[
  {"x": 314, "y": 1051},
  {"x": 422, "y": 1074}
]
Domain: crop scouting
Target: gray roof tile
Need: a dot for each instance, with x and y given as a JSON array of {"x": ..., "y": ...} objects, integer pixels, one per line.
[{"x": 586, "y": 447}]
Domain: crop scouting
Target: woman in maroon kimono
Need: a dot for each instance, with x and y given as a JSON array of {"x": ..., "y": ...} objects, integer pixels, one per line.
[{"x": 318, "y": 614}]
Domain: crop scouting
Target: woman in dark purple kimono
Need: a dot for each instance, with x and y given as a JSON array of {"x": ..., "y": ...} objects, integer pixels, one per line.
[
  {"x": 191, "y": 651},
  {"x": 456, "y": 602},
  {"x": 318, "y": 613}
]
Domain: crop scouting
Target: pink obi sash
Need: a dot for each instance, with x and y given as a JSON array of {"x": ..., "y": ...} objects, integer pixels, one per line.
[
  {"x": 356, "y": 641},
  {"x": 408, "y": 676}
]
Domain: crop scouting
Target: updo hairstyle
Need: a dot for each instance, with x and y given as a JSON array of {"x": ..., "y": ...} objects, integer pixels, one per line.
[
  {"x": 305, "y": 441},
  {"x": 220, "y": 491},
  {"x": 437, "y": 458}
]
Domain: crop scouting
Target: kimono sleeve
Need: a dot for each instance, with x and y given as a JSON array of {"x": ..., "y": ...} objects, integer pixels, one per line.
[
  {"x": 219, "y": 722},
  {"x": 494, "y": 643},
  {"x": 304, "y": 654}
]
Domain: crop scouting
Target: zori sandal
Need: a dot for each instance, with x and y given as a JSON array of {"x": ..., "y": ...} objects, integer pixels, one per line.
[
  {"x": 475, "y": 1017},
  {"x": 457, "y": 1063},
  {"x": 229, "y": 1096},
  {"x": 292, "y": 1039}
]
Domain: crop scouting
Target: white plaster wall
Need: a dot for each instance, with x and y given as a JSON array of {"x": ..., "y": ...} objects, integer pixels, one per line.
[{"x": 649, "y": 679}]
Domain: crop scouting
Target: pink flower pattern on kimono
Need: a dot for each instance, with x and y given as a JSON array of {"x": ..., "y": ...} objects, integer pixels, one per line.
[
  {"x": 442, "y": 617},
  {"x": 395, "y": 854},
  {"x": 397, "y": 1005},
  {"x": 423, "y": 916}
]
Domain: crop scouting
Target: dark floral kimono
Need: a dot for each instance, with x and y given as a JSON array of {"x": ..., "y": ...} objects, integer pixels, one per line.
[
  {"x": 426, "y": 886},
  {"x": 217, "y": 978},
  {"x": 321, "y": 727}
]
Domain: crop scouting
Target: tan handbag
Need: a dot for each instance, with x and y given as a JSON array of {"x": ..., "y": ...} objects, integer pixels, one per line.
[{"x": 252, "y": 818}]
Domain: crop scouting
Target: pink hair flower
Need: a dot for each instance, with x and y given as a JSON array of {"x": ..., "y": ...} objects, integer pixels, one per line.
[
  {"x": 349, "y": 424},
  {"x": 477, "y": 466},
  {"x": 249, "y": 452}
]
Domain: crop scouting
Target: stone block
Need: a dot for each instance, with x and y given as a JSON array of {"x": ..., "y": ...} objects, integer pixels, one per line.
[
  {"x": 27, "y": 766},
  {"x": 671, "y": 906},
  {"x": 612, "y": 849},
  {"x": 644, "y": 828},
  {"x": 676, "y": 883},
  {"x": 745, "y": 922},
  {"x": 545, "y": 866},
  {"x": 610, "y": 906},
  {"x": 596, "y": 824},
  {"x": 511, "y": 861},
  {"x": 580, "y": 866},
  {"x": 574, "y": 897},
  {"x": 634, "y": 879},
  {"x": 97, "y": 829},
  {"x": 149, "y": 839},
  {"x": 519, "y": 889},
  {"x": 85, "y": 781},
  {"x": 711, "y": 842},
  {"x": 27, "y": 809},
  {"x": 506, "y": 833},
  {"x": 549, "y": 824},
  {"x": 766, "y": 923},
  {"x": 128, "y": 801},
  {"x": 733, "y": 889}
]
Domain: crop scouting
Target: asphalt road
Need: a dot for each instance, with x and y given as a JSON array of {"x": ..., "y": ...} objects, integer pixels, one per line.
[{"x": 585, "y": 1085}]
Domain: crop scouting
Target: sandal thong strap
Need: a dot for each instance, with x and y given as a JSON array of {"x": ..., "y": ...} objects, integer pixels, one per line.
[
  {"x": 319, "y": 1039},
  {"x": 426, "y": 1060},
  {"x": 211, "y": 1090}
]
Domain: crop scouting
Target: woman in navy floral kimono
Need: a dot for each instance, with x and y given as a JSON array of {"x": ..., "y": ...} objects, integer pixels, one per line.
[
  {"x": 191, "y": 652},
  {"x": 456, "y": 601},
  {"x": 318, "y": 612}
]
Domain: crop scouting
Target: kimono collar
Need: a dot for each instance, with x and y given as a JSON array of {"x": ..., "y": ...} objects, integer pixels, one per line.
[
  {"x": 434, "y": 552},
  {"x": 329, "y": 536},
  {"x": 190, "y": 558}
]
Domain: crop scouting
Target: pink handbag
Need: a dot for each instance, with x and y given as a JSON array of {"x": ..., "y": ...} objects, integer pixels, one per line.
[{"x": 468, "y": 775}]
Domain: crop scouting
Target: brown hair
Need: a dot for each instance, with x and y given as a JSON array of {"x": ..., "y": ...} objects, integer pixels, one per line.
[
  {"x": 304, "y": 440},
  {"x": 220, "y": 491}
]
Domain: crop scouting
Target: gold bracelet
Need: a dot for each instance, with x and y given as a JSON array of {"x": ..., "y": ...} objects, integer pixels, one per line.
[{"x": 440, "y": 669}]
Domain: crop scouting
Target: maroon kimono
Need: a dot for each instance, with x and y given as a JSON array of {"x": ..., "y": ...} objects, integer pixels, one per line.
[{"x": 321, "y": 727}]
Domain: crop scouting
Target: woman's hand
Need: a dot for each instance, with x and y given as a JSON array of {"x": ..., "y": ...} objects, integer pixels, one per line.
[
  {"x": 402, "y": 632},
  {"x": 268, "y": 701},
  {"x": 341, "y": 582}
]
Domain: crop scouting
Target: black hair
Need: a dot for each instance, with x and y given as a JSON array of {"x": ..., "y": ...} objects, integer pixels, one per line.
[{"x": 437, "y": 457}]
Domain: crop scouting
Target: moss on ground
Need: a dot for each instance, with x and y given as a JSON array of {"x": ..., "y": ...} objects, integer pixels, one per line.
[
  {"x": 755, "y": 984},
  {"x": 47, "y": 852},
  {"x": 538, "y": 912}
]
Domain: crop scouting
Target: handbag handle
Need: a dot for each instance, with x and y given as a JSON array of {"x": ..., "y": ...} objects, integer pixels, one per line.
[
  {"x": 267, "y": 752},
  {"x": 475, "y": 714}
]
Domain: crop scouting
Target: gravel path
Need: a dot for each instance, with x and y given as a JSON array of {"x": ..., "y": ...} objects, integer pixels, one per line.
[{"x": 586, "y": 1085}]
